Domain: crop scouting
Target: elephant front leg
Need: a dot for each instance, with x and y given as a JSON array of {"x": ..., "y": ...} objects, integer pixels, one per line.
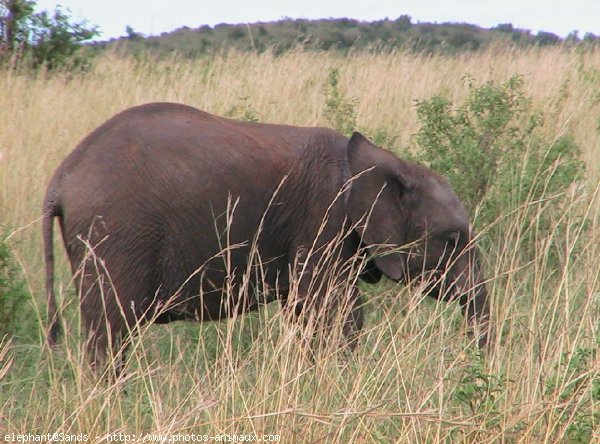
[
  {"x": 352, "y": 318},
  {"x": 332, "y": 317}
]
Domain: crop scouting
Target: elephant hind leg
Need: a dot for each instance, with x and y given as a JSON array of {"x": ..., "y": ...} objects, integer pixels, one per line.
[
  {"x": 108, "y": 336},
  {"x": 117, "y": 290},
  {"x": 106, "y": 345},
  {"x": 109, "y": 324}
]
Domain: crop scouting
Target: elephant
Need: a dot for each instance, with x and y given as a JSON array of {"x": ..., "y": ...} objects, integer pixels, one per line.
[{"x": 170, "y": 213}]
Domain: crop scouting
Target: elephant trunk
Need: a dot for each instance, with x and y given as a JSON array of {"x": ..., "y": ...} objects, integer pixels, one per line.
[
  {"x": 473, "y": 298},
  {"x": 477, "y": 312}
]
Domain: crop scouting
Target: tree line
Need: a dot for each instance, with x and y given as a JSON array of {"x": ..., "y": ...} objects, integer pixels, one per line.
[
  {"x": 340, "y": 35},
  {"x": 52, "y": 39}
]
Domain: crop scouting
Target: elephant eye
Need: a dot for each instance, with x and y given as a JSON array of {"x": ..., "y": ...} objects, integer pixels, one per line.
[{"x": 453, "y": 236}]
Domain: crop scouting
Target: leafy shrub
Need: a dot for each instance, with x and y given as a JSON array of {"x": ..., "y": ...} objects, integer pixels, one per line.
[
  {"x": 243, "y": 111},
  {"x": 575, "y": 383},
  {"x": 339, "y": 109},
  {"x": 479, "y": 391},
  {"x": 491, "y": 150},
  {"x": 43, "y": 39},
  {"x": 13, "y": 292}
]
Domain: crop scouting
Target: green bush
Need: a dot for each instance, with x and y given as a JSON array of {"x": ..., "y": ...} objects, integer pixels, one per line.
[
  {"x": 491, "y": 150},
  {"x": 243, "y": 111},
  {"x": 479, "y": 391},
  {"x": 58, "y": 43},
  {"x": 577, "y": 385},
  {"x": 13, "y": 291},
  {"x": 339, "y": 110},
  {"x": 43, "y": 40}
]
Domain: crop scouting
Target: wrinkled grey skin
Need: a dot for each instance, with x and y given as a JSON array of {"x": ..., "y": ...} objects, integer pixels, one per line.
[{"x": 140, "y": 202}]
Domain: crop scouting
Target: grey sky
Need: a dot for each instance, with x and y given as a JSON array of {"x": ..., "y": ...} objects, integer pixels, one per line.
[{"x": 156, "y": 16}]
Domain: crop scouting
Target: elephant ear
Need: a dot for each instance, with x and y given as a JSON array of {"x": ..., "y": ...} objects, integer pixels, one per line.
[{"x": 376, "y": 202}]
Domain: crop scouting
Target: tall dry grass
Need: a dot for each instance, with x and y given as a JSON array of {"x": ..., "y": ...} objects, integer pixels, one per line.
[{"x": 415, "y": 377}]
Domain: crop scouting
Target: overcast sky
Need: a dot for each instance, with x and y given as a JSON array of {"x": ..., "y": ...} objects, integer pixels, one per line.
[{"x": 156, "y": 16}]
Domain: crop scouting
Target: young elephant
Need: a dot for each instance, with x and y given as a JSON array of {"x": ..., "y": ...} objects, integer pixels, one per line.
[{"x": 168, "y": 213}]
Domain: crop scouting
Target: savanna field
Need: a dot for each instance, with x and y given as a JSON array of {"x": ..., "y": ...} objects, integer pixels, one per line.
[{"x": 415, "y": 377}]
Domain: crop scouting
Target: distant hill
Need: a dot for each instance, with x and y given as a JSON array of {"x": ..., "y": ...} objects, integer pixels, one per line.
[{"x": 335, "y": 34}]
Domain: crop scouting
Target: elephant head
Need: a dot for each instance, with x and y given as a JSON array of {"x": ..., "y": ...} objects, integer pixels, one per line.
[{"x": 415, "y": 228}]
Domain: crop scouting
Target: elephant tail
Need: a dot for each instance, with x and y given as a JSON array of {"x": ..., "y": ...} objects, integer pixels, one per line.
[{"x": 51, "y": 209}]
